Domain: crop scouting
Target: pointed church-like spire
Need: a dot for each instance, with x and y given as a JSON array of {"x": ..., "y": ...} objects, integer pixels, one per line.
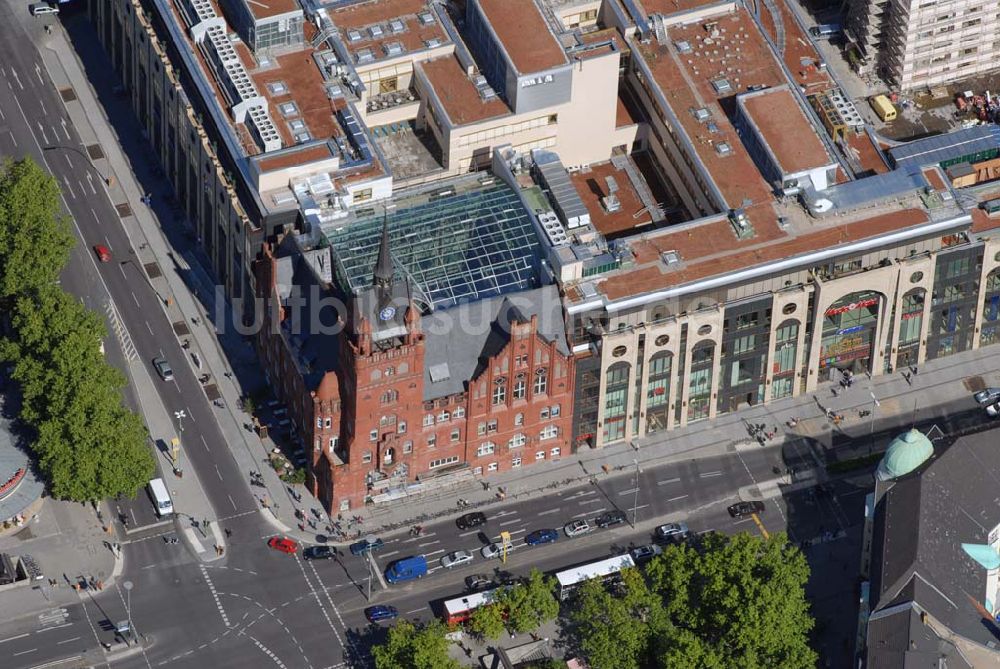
[{"x": 383, "y": 266}]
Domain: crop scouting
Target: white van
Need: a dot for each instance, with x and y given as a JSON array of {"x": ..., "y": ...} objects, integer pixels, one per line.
[{"x": 161, "y": 498}]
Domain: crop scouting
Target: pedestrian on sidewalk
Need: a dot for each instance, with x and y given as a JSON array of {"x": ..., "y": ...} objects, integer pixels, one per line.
[
  {"x": 914, "y": 370},
  {"x": 906, "y": 375},
  {"x": 229, "y": 533}
]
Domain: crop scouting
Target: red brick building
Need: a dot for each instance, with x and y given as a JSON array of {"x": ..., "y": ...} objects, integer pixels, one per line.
[{"x": 399, "y": 397}]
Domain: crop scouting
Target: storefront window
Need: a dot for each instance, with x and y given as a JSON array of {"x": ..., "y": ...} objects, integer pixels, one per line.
[
  {"x": 912, "y": 317},
  {"x": 848, "y": 333}
]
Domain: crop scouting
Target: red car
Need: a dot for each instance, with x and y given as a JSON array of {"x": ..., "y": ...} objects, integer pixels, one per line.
[
  {"x": 103, "y": 254},
  {"x": 284, "y": 545}
]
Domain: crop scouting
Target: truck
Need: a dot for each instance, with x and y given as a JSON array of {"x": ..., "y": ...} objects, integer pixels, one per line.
[
  {"x": 883, "y": 107},
  {"x": 406, "y": 569}
]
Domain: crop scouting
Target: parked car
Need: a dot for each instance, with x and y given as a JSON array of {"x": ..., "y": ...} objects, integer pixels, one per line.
[
  {"x": 741, "y": 509},
  {"x": 381, "y": 612},
  {"x": 41, "y": 8},
  {"x": 576, "y": 528},
  {"x": 987, "y": 396},
  {"x": 163, "y": 368},
  {"x": 103, "y": 252},
  {"x": 365, "y": 546},
  {"x": 469, "y": 520},
  {"x": 645, "y": 553},
  {"x": 993, "y": 410},
  {"x": 672, "y": 532},
  {"x": 319, "y": 553},
  {"x": 456, "y": 559},
  {"x": 478, "y": 582},
  {"x": 495, "y": 550},
  {"x": 610, "y": 518},
  {"x": 539, "y": 537},
  {"x": 283, "y": 545}
]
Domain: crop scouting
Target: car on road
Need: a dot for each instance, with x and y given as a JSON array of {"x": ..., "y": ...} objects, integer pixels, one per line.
[
  {"x": 365, "y": 546},
  {"x": 673, "y": 532},
  {"x": 163, "y": 368},
  {"x": 610, "y": 518},
  {"x": 319, "y": 553},
  {"x": 495, "y": 550},
  {"x": 987, "y": 396},
  {"x": 539, "y": 537},
  {"x": 645, "y": 553},
  {"x": 576, "y": 528},
  {"x": 456, "y": 559},
  {"x": 478, "y": 582},
  {"x": 741, "y": 509},
  {"x": 469, "y": 520},
  {"x": 103, "y": 252},
  {"x": 993, "y": 410},
  {"x": 381, "y": 612},
  {"x": 41, "y": 8},
  {"x": 283, "y": 544}
]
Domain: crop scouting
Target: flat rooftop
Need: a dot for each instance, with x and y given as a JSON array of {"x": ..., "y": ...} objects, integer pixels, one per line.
[
  {"x": 525, "y": 34},
  {"x": 592, "y": 187},
  {"x": 457, "y": 93},
  {"x": 263, "y": 9},
  {"x": 788, "y": 133},
  {"x": 668, "y": 7},
  {"x": 376, "y": 24},
  {"x": 709, "y": 72}
]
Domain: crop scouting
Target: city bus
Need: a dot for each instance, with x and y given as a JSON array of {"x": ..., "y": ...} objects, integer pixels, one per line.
[
  {"x": 606, "y": 570},
  {"x": 460, "y": 609}
]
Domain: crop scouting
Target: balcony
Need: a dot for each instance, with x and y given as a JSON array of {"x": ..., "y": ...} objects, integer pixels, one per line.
[{"x": 386, "y": 101}]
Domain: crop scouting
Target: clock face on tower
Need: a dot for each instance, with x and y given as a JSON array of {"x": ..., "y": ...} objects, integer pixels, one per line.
[{"x": 387, "y": 313}]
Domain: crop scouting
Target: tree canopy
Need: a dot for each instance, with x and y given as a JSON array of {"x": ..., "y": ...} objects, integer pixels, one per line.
[
  {"x": 415, "y": 647},
  {"x": 733, "y": 601},
  {"x": 89, "y": 446}
]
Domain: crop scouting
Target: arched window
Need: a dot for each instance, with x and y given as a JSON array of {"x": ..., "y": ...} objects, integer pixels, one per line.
[{"x": 389, "y": 396}]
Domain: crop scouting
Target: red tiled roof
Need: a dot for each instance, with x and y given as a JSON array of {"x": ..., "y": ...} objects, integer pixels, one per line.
[
  {"x": 592, "y": 187},
  {"x": 307, "y": 155}
]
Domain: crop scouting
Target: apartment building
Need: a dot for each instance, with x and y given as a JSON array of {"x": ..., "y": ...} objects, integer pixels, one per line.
[{"x": 919, "y": 43}]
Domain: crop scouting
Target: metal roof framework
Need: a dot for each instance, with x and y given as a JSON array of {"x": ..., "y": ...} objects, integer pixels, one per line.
[
  {"x": 948, "y": 148},
  {"x": 455, "y": 244}
]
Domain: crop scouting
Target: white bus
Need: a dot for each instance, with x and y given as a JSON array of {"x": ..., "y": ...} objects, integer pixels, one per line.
[
  {"x": 161, "y": 498},
  {"x": 607, "y": 569}
]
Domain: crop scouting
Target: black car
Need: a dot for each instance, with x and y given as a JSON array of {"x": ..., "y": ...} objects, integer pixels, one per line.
[
  {"x": 741, "y": 509},
  {"x": 470, "y": 520},
  {"x": 319, "y": 553},
  {"x": 610, "y": 518}
]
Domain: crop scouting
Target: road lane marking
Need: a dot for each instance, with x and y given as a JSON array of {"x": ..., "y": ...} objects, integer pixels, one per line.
[
  {"x": 415, "y": 611},
  {"x": 19, "y": 636},
  {"x": 440, "y": 550},
  {"x": 64, "y": 660},
  {"x": 589, "y": 513},
  {"x": 38, "y": 73},
  {"x": 385, "y": 555},
  {"x": 465, "y": 534},
  {"x": 203, "y": 441},
  {"x": 25, "y": 652},
  {"x": 641, "y": 506},
  {"x": 72, "y": 193},
  {"x": 667, "y": 481},
  {"x": 429, "y": 543},
  {"x": 674, "y": 499},
  {"x": 545, "y": 513},
  {"x": 589, "y": 501},
  {"x": 231, "y": 501},
  {"x": 630, "y": 491},
  {"x": 136, "y": 299},
  {"x": 56, "y": 627},
  {"x": 63, "y": 122},
  {"x": 68, "y": 161},
  {"x": 76, "y": 638},
  {"x": 149, "y": 328},
  {"x": 708, "y": 475},
  {"x": 511, "y": 522},
  {"x": 217, "y": 472}
]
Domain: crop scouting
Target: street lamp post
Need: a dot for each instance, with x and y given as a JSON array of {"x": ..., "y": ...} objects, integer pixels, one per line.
[
  {"x": 871, "y": 431},
  {"x": 128, "y": 585},
  {"x": 635, "y": 496}
]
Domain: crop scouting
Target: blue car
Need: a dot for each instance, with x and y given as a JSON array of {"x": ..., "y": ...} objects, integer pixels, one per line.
[
  {"x": 381, "y": 612},
  {"x": 539, "y": 537},
  {"x": 366, "y": 546}
]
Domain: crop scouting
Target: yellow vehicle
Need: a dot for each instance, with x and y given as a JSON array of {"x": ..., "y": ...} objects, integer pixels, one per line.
[{"x": 885, "y": 109}]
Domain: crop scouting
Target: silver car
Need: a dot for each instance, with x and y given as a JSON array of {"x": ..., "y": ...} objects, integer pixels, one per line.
[
  {"x": 672, "y": 532},
  {"x": 576, "y": 528},
  {"x": 495, "y": 550},
  {"x": 455, "y": 559},
  {"x": 163, "y": 368},
  {"x": 987, "y": 396}
]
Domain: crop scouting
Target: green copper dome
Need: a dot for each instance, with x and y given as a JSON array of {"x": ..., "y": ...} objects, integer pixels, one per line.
[{"x": 906, "y": 452}]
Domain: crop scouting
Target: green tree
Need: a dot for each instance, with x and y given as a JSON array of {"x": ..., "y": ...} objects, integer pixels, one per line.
[
  {"x": 411, "y": 647},
  {"x": 35, "y": 239},
  {"x": 488, "y": 621},
  {"x": 531, "y": 603},
  {"x": 738, "y": 601},
  {"x": 614, "y": 629}
]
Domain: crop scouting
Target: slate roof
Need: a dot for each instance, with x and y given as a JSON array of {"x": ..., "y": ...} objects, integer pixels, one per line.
[
  {"x": 920, "y": 524},
  {"x": 465, "y": 336},
  {"x": 904, "y": 641}
]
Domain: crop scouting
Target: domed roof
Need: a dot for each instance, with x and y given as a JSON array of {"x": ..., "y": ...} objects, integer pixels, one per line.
[{"x": 906, "y": 452}]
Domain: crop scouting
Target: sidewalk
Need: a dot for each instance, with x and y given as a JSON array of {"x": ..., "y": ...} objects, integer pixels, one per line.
[
  {"x": 190, "y": 501},
  {"x": 235, "y": 372}
]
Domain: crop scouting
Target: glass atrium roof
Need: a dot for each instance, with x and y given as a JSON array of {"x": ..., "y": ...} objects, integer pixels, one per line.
[{"x": 461, "y": 242}]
